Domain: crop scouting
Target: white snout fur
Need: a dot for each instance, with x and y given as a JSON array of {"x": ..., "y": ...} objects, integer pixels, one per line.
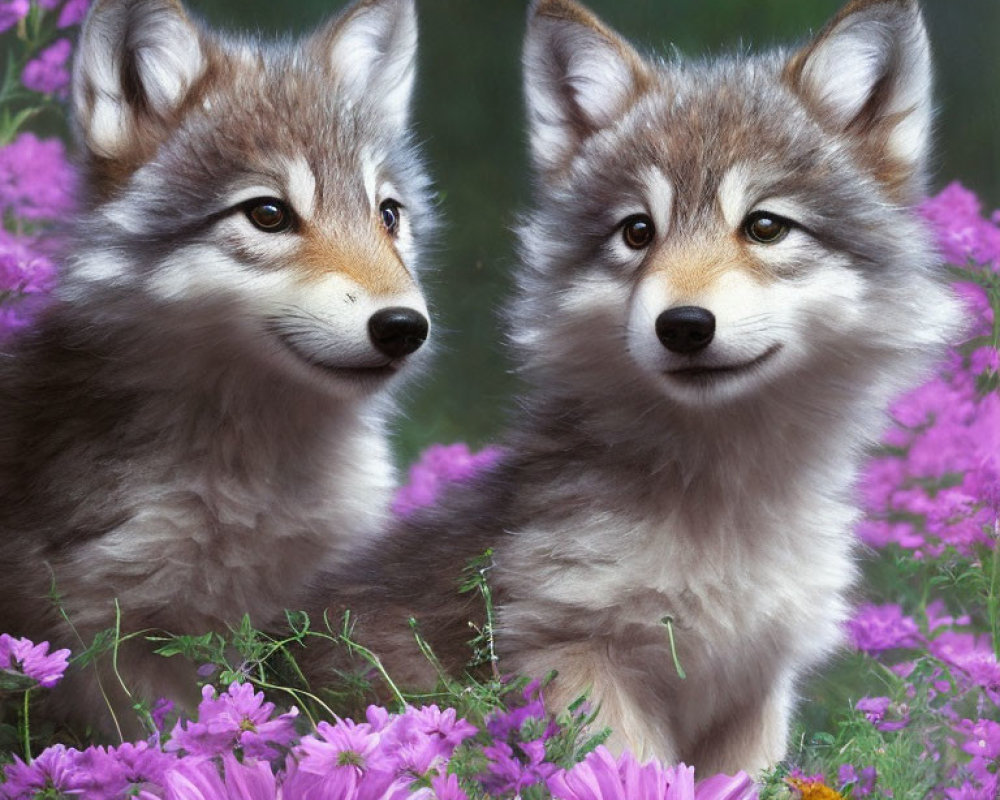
[{"x": 752, "y": 318}]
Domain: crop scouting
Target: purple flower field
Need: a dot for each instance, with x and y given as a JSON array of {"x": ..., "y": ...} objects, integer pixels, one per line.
[
  {"x": 239, "y": 747},
  {"x": 912, "y": 710}
]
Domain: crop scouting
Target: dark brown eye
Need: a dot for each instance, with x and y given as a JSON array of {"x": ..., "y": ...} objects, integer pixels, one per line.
[
  {"x": 638, "y": 231},
  {"x": 391, "y": 212},
  {"x": 268, "y": 214},
  {"x": 766, "y": 228}
]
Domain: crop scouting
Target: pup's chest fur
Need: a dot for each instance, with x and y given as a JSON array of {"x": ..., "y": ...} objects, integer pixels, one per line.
[
  {"x": 209, "y": 543},
  {"x": 621, "y": 597},
  {"x": 189, "y": 504}
]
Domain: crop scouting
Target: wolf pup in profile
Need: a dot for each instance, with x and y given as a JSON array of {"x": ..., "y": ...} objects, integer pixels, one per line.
[
  {"x": 724, "y": 283},
  {"x": 198, "y": 421}
]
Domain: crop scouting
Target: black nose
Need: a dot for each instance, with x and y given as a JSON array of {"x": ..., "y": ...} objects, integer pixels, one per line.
[
  {"x": 397, "y": 332},
  {"x": 686, "y": 329}
]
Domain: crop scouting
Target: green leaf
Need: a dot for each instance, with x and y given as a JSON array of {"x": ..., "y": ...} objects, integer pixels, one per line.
[
  {"x": 16, "y": 682},
  {"x": 298, "y": 621},
  {"x": 187, "y": 645},
  {"x": 11, "y": 125},
  {"x": 824, "y": 738}
]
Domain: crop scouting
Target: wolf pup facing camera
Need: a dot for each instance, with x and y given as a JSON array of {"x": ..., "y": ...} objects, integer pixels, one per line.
[
  {"x": 198, "y": 421},
  {"x": 724, "y": 283}
]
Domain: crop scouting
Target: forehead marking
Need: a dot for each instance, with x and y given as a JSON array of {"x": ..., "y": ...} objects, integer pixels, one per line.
[
  {"x": 660, "y": 197},
  {"x": 301, "y": 186},
  {"x": 732, "y": 195},
  {"x": 369, "y": 175}
]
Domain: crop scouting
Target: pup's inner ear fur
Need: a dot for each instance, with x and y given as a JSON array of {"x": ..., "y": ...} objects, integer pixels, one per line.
[
  {"x": 372, "y": 50},
  {"x": 868, "y": 76},
  {"x": 579, "y": 77},
  {"x": 136, "y": 62}
]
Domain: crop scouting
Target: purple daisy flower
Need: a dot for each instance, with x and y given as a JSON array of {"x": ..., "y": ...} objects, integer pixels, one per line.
[
  {"x": 345, "y": 761},
  {"x": 507, "y": 723},
  {"x": 512, "y": 771},
  {"x": 24, "y": 270},
  {"x": 862, "y": 782},
  {"x": 877, "y": 709},
  {"x": 34, "y": 660},
  {"x": 48, "y": 73},
  {"x": 346, "y": 746},
  {"x": 602, "y": 777},
  {"x": 444, "y": 725},
  {"x": 53, "y": 771},
  {"x": 37, "y": 181},
  {"x": 877, "y": 628},
  {"x": 446, "y": 787},
  {"x": 12, "y": 12},
  {"x": 107, "y": 772},
  {"x": 161, "y": 710},
  {"x": 200, "y": 779},
  {"x": 982, "y": 739},
  {"x": 73, "y": 13},
  {"x": 237, "y": 718},
  {"x": 438, "y": 466}
]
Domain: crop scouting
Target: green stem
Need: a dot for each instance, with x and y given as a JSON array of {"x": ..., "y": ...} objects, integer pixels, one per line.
[
  {"x": 297, "y": 695},
  {"x": 26, "y": 727},
  {"x": 428, "y": 653},
  {"x": 484, "y": 587},
  {"x": 344, "y": 637},
  {"x": 376, "y": 662},
  {"x": 669, "y": 622}
]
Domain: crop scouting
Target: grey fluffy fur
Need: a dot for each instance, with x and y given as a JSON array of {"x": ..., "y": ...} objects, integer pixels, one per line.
[
  {"x": 632, "y": 492},
  {"x": 195, "y": 424}
]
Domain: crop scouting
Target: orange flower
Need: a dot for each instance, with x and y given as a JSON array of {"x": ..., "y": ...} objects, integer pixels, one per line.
[{"x": 814, "y": 790}]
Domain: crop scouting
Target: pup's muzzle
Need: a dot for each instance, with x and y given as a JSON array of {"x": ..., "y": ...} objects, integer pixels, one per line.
[
  {"x": 397, "y": 331},
  {"x": 686, "y": 329}
]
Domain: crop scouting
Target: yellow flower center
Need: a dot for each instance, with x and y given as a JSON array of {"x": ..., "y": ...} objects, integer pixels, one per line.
[{"x": 814, "y": 790}]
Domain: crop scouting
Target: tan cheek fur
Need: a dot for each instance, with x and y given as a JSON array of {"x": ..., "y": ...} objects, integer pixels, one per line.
[{"x": 373, "y": 264}]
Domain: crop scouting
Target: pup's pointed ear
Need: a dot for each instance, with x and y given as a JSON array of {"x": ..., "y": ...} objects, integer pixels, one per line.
[
  {"x": 372, "y": 49},
  {"x": 579, "y": 77},
  {"x": 136, "y": 61},
  {"x": 867, "y": 76}
]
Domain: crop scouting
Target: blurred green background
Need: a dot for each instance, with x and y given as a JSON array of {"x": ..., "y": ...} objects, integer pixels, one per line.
[{"x": 468, "y": 111}]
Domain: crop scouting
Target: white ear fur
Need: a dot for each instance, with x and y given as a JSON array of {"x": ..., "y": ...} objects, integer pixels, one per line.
[
  {"x": 373, "y": 54},
  {"x": 872, "y": 67},
  {"x": 579, "y": 77},
  {"x": 136, "y": 57}
]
